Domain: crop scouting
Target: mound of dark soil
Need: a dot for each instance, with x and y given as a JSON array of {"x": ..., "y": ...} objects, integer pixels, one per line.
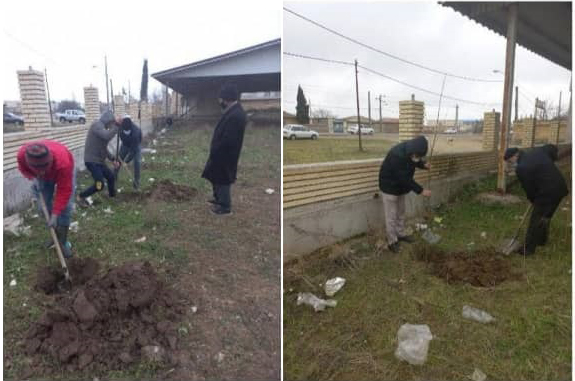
[
  {"x": 50, "y": 279},
  {"x": 112, "y": 320},
  {"x": 165, "y": 190},
  {"x": 482, "y": 268}
]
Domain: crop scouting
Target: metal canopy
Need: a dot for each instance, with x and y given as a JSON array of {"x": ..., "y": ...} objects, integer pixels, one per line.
[
  {"x": 543, "y": 27},
  {"x": 256, "y": 68}
]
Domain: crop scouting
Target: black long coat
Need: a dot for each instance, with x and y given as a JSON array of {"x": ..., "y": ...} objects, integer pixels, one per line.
[
  {"x": 538, "y": 175},
  {"x": 397, "y": 170},
  {"x": 222, "y": 165}
]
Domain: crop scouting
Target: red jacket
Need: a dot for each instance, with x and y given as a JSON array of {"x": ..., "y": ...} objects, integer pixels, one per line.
[{"x": 61, "y": 172}]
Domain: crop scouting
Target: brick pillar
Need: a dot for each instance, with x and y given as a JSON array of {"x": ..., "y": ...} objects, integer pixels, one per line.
[
  {"x": 33, "y": 96},
  {"x": 528, "y": 138},
  {"x": 119, "y": 105},
  {"x": 491, "y": 125},
  {"x": 91, "y": 104},
  {"x": 410, "y": 119}
]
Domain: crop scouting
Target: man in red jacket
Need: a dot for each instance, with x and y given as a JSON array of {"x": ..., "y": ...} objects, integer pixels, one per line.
[{"x": 51, "y": 167}]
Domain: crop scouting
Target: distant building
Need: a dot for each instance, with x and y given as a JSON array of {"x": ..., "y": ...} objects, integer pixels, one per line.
[{"x": 13, "y": 107}]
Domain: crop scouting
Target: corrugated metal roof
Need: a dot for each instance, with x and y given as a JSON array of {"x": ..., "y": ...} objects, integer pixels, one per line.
[
  {"x": 162, "y": 74},
  {"x": 543, "y": 27}
]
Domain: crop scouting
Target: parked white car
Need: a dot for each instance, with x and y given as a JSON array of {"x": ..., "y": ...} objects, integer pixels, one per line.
[
  {"x": 297, "y": 131},
  {"x": 71, "y": 116},
  {"x": 451, "y": 131},
  {"x": 365, "y": 130}
]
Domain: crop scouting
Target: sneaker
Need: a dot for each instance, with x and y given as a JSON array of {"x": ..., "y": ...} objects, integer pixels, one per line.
[
  {"x": 394, "y": 247},
  {"x": 67, "y": 250},
  {"x": 406, "y": 238},
  {"x": 221, "y": 211},
  {"x": 81, "y": 201}
]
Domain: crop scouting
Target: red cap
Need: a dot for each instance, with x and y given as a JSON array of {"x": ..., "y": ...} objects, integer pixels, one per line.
[{"x": 38, "y": 157}]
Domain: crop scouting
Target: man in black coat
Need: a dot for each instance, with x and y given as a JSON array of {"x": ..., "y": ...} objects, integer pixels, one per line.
[
  {"x": 222, "y": 166},
  {"x": 396, "y": 181},
  {"x": 131, "y": 137},
  {"x": 544, "y": 186}
]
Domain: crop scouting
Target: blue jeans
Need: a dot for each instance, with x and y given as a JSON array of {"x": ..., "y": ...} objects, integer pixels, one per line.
[
  {"x": 47, "y": 188},
  {"x": 128, "y": 154},
  {"x": 100, "y": 172}
]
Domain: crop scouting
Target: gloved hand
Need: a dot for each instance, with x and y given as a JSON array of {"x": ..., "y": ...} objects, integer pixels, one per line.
[{"x": 53, "y": 221}]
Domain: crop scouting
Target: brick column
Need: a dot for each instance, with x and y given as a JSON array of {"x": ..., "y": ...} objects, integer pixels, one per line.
[
  {"x": 91, "y": 104},
  {"x": 119, "y": 105},
  {"x": 33, "y": 96},
  {"x": 491, "y": 125},
  {"x": 410, "y": 119},
  {"x": 528, "y": 138}
]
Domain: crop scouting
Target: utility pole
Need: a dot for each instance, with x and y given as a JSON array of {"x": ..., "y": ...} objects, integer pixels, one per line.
[
  {"x": 558, "y": 118},
  {"x": 107, "y": 90},
  {"x": 559, "y": 107},
  {"x": 516, "y": 102},
  {"x": 456, "y": 117},
  {"x": 357, "y": 102},
  {"x": 112, "y": 94},
  {"x": 512, "y": 11},
  {"x": 167, "y": 105},
  {"x": 380, "y": 118},
  {"x": 49, "y": 101},
  {"x": 369, "y": 107},
  {"x": 534, "y": 122}
]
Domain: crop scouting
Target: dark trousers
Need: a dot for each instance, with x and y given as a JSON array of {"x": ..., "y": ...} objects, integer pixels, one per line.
[
  {"x": 223, "y": 195},
  {"x": 538, "y": 230},
  {"x": 127, "y": 155},
  {"x": 99, "y": 173}
]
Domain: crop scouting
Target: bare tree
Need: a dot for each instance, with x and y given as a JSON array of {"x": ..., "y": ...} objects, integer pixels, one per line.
[{"x": 322, "y": 113}]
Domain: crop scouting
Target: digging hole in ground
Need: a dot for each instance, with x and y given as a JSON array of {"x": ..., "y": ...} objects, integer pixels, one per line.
[
  {"x": 481, "y": 268},
  {"x": 163, "y": 190},
  {"x": 124, "y": 316},
  {"x": 50, "y": 280}
]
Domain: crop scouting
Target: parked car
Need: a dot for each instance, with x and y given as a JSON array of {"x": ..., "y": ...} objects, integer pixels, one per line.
[
  {"x": 297, "y": 131},
  {"x": 365, "y": 130},
  {"x": 71, "y": 116},
  {"x": 9, "y": 117},
  {"x": 451, "y": 131}
]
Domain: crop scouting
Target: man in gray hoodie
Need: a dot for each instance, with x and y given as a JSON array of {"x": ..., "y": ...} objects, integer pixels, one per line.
[{"x": 96, "y": 152}]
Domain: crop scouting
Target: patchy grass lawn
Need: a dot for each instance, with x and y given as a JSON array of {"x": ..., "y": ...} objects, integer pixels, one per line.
[
  {"x": 229, "y": 267},
  {"x": 531, "y": 339},
  {"x": 327, "y": 149}
]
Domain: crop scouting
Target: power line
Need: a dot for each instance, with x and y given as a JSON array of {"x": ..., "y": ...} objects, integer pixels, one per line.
[
  {"x": 388, "y": 77},
  {"x": 466, "y": 78}
]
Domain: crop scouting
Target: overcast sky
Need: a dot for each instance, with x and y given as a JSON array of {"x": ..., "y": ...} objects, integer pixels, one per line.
[
  {"x": 423, "y": 32},
  {"x": 71, "y": 39}
]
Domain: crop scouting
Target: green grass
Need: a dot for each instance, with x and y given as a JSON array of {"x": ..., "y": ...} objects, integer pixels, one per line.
[
  {"x": 531, "y": 339},
  {"x": 169, "y": 228},
  {"x": 327, "y": 149}
]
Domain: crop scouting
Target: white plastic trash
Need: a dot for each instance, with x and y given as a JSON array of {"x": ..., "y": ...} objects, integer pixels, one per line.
[
  {"x": 141, "y": 240},
  {"x": 413, "y": 343},
  {"x": 270, "y": 191},
  {"x": 74, "y": 226},
  {"x": 333, "y": 285},
  {"x": 478, "y": 375},
  {"x": 318, "y": 304},
  {"x": 13, "y": 283},
  {"x": 477, "y": 315}
]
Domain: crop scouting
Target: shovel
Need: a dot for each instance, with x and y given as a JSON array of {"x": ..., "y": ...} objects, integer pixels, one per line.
[
  {"x": 56, "y": 242},
  {"x": 510, "y": 244}
]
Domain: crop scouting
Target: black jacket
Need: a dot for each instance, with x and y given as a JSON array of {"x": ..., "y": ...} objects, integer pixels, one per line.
[
  {"x": 222, "y": 165},
  {"x": 538, "y": 175},
  {"x": 396, "y": 172},
  {"x": 132, "y": 140}
]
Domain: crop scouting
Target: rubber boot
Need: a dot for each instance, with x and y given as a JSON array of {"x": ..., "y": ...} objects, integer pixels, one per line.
[{"x": 62, "y": 233}]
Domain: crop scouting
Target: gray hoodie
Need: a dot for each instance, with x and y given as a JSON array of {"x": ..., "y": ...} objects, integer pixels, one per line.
[{"x": 96, "y": 147}]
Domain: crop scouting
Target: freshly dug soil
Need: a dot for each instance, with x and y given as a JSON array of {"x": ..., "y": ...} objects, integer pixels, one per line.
[
  {"x": 111, "y": 321},
  {"x": 165, "y": 190},
  {"x": 50, "y": 279},
  {"x": 482, "y": 268}
]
